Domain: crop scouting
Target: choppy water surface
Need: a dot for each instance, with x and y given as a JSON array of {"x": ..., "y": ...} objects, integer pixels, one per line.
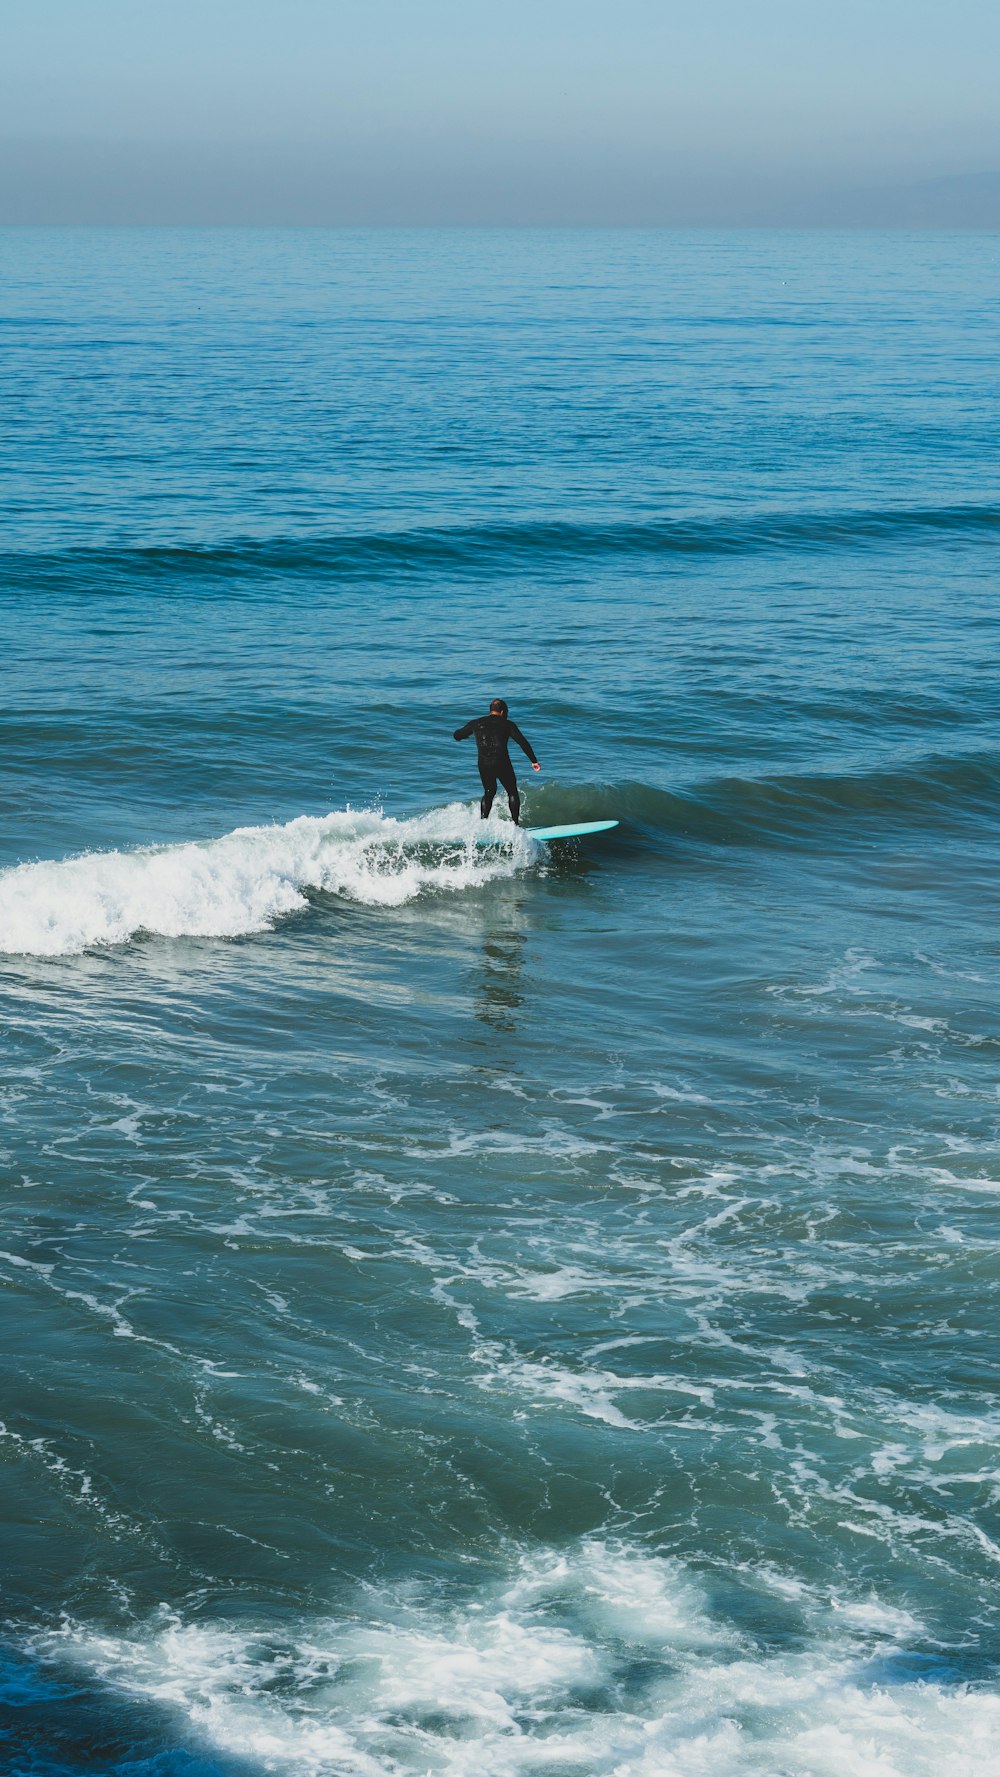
[{"x": 500, "y": 1311}]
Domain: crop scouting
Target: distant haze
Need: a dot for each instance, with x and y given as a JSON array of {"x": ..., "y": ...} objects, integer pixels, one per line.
[{"x": 457, "y": 111}]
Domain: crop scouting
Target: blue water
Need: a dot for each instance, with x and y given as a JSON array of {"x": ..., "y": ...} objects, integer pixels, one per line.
[{"x": 500, "y": 1310}]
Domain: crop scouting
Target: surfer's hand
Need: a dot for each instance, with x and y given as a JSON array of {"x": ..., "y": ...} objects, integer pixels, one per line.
[{"x": 536, "y": 766}]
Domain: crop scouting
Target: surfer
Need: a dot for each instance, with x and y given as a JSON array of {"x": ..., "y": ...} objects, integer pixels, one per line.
[{"x": 493, "y": 733}]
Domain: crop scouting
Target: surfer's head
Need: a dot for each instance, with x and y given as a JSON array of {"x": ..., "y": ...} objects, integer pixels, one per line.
[{"x": 498, "y": 707}]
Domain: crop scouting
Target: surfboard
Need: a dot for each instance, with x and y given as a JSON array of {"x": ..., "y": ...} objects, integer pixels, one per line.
[{"x": 574, "y": 830}]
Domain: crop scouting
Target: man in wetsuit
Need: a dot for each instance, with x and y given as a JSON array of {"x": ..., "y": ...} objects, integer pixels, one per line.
[{"x": 492, "y": 733}]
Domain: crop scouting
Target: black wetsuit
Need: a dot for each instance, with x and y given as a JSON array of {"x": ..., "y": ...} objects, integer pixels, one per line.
[{"x": 492, "y": 736}]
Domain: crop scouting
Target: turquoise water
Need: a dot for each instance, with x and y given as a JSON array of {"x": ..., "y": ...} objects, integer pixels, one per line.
[{"x": 500, "y": 1310}]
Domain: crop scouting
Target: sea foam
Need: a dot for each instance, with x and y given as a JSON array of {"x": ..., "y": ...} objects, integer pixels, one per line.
[
  {"x": 598, "y": 1659},
  {"x": 246, "y": 880}
]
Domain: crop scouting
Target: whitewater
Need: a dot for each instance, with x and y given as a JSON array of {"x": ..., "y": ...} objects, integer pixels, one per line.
[
  {"x": 241, "y": 883},
  {"x": 503, "y": 1685}
]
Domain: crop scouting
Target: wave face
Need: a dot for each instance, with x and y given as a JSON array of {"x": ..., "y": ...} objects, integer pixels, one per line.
[
  {"x": 489, "y": 1312},
  {"x": 807, "y": 810},
  {"x": 245, "y": 881}
]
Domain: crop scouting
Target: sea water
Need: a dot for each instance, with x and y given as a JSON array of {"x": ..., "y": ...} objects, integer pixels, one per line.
[{"x": 517, "y": 1310}]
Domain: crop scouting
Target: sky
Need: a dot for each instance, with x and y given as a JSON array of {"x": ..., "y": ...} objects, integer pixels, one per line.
[{"x": 636, "y": 112}]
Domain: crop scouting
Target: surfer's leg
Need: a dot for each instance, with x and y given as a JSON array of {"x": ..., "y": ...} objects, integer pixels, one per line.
[
  {"x": 489, "y": 790},
  {"x": 509, "y": 781}
]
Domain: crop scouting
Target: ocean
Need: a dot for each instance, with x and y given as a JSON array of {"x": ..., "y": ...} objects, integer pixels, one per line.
[{"x": 493, "y": 1312}]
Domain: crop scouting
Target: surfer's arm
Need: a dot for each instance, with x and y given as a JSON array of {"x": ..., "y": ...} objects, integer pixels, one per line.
[
  {"x": 464, "y": 733},
  {"x": 525, "y": 746}
]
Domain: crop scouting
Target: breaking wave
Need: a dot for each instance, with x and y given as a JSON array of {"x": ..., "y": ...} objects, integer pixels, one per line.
[{"x": 246, "y": 880}]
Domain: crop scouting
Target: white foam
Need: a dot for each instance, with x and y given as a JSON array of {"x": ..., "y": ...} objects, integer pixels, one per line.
[
  {"x": 245, "y": 881},
  {"x": 555, "y": 1286},
  {"x": 646, "y": 1600},
  {"x": 591, "y": 1392},
  {"x": 675, "y": 1096},
  {"x": 599, "y": 1659}
]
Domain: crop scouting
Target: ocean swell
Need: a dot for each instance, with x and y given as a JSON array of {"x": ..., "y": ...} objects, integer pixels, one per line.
[{"x": 507, "y": 547}]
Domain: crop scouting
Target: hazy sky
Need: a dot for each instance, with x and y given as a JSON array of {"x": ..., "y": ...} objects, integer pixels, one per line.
[{"x": 462, "y": 110}]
